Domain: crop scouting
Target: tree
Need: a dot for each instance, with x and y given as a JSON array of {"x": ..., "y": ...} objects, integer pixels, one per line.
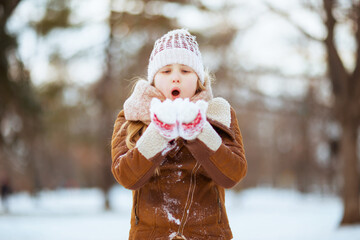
[
  {"x": 345, "y": 83},
  {"x": 18, "y": 105},
  {"x": 346, "y": 91}
]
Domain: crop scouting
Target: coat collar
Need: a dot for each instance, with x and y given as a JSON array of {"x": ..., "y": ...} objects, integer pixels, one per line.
[{"x": 219, "y": 115}]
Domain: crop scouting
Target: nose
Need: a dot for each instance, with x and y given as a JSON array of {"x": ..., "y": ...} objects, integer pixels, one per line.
[{"x": 176, "y": 76}]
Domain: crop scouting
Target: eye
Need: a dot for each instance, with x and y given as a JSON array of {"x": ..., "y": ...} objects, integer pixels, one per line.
[
  {"x": 166, "y": 71},
  {"x": 185, "y": 71}
]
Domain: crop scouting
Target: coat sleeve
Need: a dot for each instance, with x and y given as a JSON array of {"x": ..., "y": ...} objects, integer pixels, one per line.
[
  {"x": 221, "y": 152},
  {"x": 132, "y": 168}
]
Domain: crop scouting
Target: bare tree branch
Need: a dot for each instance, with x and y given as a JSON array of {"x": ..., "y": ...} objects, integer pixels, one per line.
[
  {"x": 8, "y": 6},
  {"x": 317, "y": 9},
  {"x": 287, "y": 17}
]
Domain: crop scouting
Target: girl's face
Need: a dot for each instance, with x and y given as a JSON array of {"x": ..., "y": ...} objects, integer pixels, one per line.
[{"x": 176, "y": 81}]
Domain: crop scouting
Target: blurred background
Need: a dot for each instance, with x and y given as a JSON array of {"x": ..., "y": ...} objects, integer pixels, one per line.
[{"x": 291, "y": 70}]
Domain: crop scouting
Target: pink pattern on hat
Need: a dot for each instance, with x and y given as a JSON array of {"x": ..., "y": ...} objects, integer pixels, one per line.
[{"x": 176, "y": 46}]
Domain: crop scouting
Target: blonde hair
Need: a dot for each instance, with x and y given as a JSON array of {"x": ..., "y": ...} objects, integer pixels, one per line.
[{"x": 134, "y": 129}]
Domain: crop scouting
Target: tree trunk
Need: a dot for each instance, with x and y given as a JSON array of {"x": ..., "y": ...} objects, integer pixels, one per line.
[{"x": 350, "y": 192}]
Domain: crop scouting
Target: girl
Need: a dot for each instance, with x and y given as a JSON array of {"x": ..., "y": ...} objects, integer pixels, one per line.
[{"x": 177, "y": 147}]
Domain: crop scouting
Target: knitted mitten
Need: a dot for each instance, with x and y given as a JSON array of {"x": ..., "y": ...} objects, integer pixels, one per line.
[
  {"x": 163, "y": 116},
  {"x": 191, "y": 118}
]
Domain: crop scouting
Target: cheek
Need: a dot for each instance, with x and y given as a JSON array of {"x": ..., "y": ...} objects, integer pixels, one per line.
[
  {"x": 161, "y": 84},
  {"x": 190, "y": 86},
  {"x": 193, "y": 83}
]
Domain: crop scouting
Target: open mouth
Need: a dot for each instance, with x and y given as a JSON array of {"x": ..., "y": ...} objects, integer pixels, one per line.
[{"x": 175, "y": 92}]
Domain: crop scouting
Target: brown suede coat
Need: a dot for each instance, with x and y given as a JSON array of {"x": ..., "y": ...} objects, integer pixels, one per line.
[{"x": 187, "y": 196}]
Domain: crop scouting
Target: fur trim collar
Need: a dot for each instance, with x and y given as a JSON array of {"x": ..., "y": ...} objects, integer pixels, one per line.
[
  {"x": 219, "y": 110},
  {"x": 137, "y": 106}
]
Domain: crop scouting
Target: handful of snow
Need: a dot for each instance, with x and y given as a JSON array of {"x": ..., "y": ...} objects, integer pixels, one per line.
[
  {"x": 179, "y": 117},
  {"x": 165, "y": 111},
  {"x": 164, "y": 117},
  {"x": 188, "y": 111}
]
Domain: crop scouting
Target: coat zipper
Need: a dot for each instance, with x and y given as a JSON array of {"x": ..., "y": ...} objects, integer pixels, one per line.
[
  {"x": 218, "y": 202},
  {"x": 188, "y": 203},
  {"x": 137, "y": 196}
]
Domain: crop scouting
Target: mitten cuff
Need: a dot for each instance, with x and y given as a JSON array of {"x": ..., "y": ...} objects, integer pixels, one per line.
[
  {"x": 151, "y": 142},
  {"x": 210, "y": 137}
]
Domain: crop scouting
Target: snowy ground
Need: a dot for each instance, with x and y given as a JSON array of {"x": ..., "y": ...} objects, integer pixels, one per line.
[{"x": 254, "y": 214}]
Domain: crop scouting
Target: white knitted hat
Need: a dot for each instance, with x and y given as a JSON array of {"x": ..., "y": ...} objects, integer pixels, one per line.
[{"x": 177, "y": 46}]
